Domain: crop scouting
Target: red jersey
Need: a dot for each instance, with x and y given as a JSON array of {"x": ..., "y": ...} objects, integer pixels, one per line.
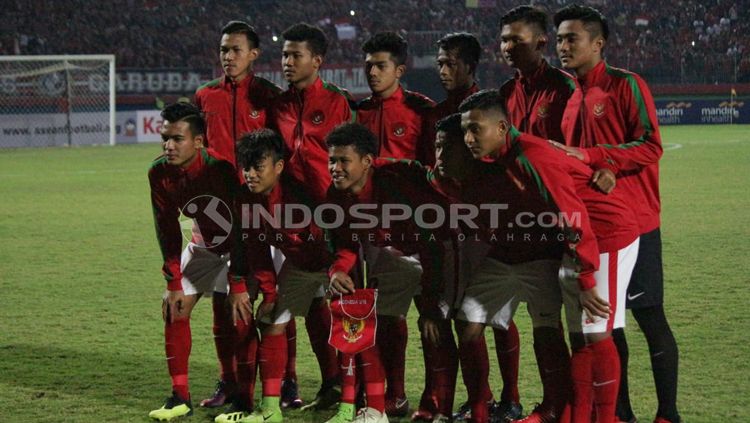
[
  {"x": 536, "y": 102},
  {"x": 172, "y": 188},
  {"x": 450, "y": 105},
  {"x": 304, "y": 118},
  {"x": 401, "y": 124},
  {"x": 613, "y": 118},
  {"x": 305, "y": 247},
  {"x": 233, "y": 109},
  {"x": 393, "y": 182}
]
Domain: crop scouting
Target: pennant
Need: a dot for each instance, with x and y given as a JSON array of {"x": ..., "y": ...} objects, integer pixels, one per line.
[{"x": 354, "y": 321}]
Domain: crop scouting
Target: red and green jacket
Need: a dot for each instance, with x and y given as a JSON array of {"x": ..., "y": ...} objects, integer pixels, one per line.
[
  {"x": 450, "y": 105},
  {"x": 401, "y": 124},
  {"x": 304, "y": 118},
  {"x": 233, "y": 109},
  {"x": 402, "y": 182},
  {"x": 536, "y": 102},
  {"x": 305, "y": 247},
  {"x": 209, "y": 183},
  {"x": 613, "y": 118}
]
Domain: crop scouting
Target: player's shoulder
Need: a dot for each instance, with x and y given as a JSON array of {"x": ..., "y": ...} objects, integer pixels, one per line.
[
  {"x": 561, "y": 78},
  {"x": 335, "y": 90},
  {"x": 507, "y": 87},
  {"x": 366, "y": 103},
  {"x": 418, "y": 101},
  {"x": 267, "y": 86},
  {"x": 158, "y": 167},
  {"x": 208, "y": 85},
  {"x": 263, "y": 92},
  {"x": 388, "y": 167}
]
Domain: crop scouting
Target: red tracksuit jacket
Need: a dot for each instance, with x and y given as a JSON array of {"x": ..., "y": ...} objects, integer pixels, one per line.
[
  {"x": 536, "y": 103},
  {"x": 306, "y": 248},
  {"x": 401, "y": 123},
  {"x": 395, "y": 182},
  {"x": 304, "y": 118},
  {"x": 172, "y": 188},
  {"x": 613, "y": 118},
  {"x": 232, "y": 110},
  {"x": 450, "y": 105}
]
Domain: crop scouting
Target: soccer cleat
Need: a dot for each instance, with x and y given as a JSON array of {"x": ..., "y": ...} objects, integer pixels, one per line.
[
  {"x": 505, "y": 411},
  {"x": 223, "y": 394},
  {"x": 345, "y": 414},
  {"x": 463, "y": 414},
  {"x": 422, "y": 415},
  {"x": 325, "y": 399},
  {"x": 370, "y": 415},
  {"x": 397, "y": 407},
  {"x": 540, "y": 415},
  {"x": 264, "y": 416},
  {"x": 236, "y": 413},
  {"x": 290, "y": 394},
  {"x": 441, "y": 418},
  {"x": 173, "y": 408}
]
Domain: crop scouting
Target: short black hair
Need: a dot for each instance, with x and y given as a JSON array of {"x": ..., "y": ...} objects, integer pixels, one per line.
[
  {"x": 242, "y": 27},
  {"x": 451, "y": 125},
  {"x": 484, "y": 100},
  {"x": 389, "y": 42},
  {"x": 527, "y": 14},
  {"x": 256, "y": 146},
  {"x": 593, "y": 20},
  {"x": 186, "y": 112},
  {"x": 467, "y": 46},
  {"x": 356, "y": 135},
  {"x": 315, "y": 37}
]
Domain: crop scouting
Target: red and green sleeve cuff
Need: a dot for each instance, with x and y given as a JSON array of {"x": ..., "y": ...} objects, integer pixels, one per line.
[{"x": 586, "y": 281}]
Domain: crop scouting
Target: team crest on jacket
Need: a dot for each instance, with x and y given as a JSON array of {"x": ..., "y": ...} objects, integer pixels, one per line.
[
  {"x": 598, "y": 109},
  {"x": 399, "y": 129},
  {"x": 254, "y": 114},
  {"x": 318, "y": 117},
  {"x": 543, "y": 111}
]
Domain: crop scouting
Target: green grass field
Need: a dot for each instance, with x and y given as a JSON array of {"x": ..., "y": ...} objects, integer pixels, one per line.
[{"x": 80, "y": 288}]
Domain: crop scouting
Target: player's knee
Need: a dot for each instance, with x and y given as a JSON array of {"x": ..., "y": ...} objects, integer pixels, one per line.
[{"x": 470, "y": 332}]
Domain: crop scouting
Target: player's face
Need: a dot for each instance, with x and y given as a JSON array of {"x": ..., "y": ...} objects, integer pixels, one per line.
[
  {"x": 576, "y": 47},
  {"x": 237, "y": 56},
  {"x": 263, "y": 175},
  {"x": 299, "y": 63},
  {"x": 382, "y": 73},
  {"x": 521, "y": 45},
  {"x": 455, "y": 74},
  {"x": 179, "y": 145},
  {"x": 484, "y": 132},
  {"x": 348, "y": 168},
  {"x": 452, "y": 157}
]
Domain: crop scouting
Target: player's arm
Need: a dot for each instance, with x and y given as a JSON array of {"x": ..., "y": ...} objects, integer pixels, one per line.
[{"x": 345, "y": 258}]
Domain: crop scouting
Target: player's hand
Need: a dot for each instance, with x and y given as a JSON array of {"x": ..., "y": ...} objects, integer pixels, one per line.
[
  {"x": 593, "y": 305},
  {"x": 172, "y": 305},
  {"x": 341, "y": 283},
  {"x": 570, "y": 151},
  {"x": 241, "y": 307},
  {"x": 430, "y": 330},
  {"x": 605, "y": 180},
  {"x": 264, "y": 309}
]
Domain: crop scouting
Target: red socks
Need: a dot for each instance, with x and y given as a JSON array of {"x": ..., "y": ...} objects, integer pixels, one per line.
[
  {"x": 291, "y": 350},
  {"x": 554, "y": 370},
  {"x": 177, "y": 344},
  {"x": 441, "y": 371},
  {"x": 583, "y": 383},
  {"x": 606, "y": 379},
  {"x": 373, "y": 376},
  {"x": 224, "y": 338},
  {"x": 247, "y": 349},
  {"x": 475, "y": 367},
  {"x": 318, "y": 325},
  {"x": 348, "y": 378},
  {"x": 392, "y": 338},
  {"x": 273, "y": 360},
  {"x": 508, "y": 351}
]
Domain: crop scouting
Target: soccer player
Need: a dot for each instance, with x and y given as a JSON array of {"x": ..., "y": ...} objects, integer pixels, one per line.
[
  {"x": 196, "y": 181},
  {"x": 399, "y": 119},
  {"x": 611, "y": 124},
  {"x": 303, "y": 115},
  {"x": 304, "y": 272},
  {"x": 361, "y": 179},
  {"x": 457, "y": 60},
  {"x": 538, "y": 93},
  {"x": 232, "y": 105}
]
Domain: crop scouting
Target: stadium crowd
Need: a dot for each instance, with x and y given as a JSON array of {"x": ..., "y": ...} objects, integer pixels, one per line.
[{"x": 671, "y": 39}]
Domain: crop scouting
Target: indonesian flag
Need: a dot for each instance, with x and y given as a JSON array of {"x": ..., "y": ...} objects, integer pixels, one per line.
[{"x": 354, "y": 321}]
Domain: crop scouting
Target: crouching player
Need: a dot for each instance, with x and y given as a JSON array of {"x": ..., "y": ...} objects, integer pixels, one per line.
[
  {"x": 265, "y": 204},
  {"x": 190, "y": 179},
  {"x": 392, "y": 190}
]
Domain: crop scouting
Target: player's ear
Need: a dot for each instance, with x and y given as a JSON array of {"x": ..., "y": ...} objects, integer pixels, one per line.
[
  {"x": 198, "y": 140},
  {"x": 367, "y": 160},
  {"x": 254, "y": 53},
  {"x": 599, "y": 43},
  {"x": 317, "y": 61},
  {"x": 542, "y": 41},
  {"x": 278, "y": 167},
  {"x": 502, "y": 127},
  {"x": 400, "y": 70}
]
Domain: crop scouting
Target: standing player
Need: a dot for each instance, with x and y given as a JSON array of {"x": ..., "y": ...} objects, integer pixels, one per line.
[
  {"x": 457, "y": 61},
  {"x": 190, "y": 179},
  {"x": 389, "y": 248},
  {"x": 304, "y": 115},
  {"x": 304, "y": 272},
  {"x": 399, "y": 119},
  {"x": 232, "y": 105},
  {"x": 613, "y": 125}
]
